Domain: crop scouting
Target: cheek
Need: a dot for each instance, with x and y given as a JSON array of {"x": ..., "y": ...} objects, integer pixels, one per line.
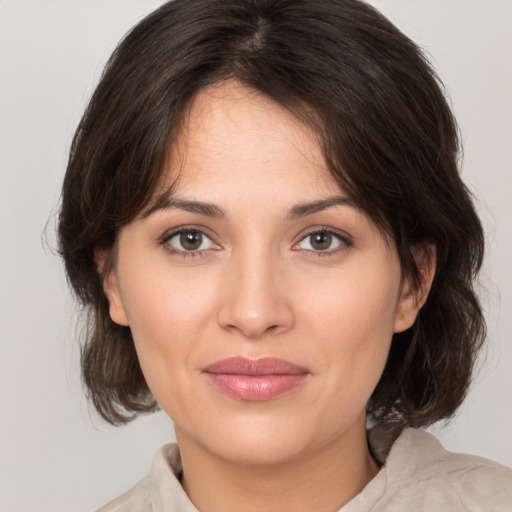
[
  {"x": 353, "y": 320},
  {"x": 167, "y": 312},
  {"x": 160, "y": 302},
  {"x": 355, "y": 302}
]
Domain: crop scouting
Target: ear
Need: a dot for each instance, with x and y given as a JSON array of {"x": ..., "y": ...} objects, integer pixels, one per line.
[
  {"x": 108, "y": 276},
  {"x": 412, "y": 298}
]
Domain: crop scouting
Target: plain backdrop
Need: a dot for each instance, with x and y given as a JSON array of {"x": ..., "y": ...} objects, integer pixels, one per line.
[{"x": 55, "y": 454}]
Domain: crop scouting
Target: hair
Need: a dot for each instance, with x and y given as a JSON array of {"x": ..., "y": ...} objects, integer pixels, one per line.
[{"x": 388, "y": 137}]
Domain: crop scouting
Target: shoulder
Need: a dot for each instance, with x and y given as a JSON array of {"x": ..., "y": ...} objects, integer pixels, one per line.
[
  {"x": 161, "y": 491},
  {"x": 425, "y": 476},
  {"x": 137, "y": 499}
]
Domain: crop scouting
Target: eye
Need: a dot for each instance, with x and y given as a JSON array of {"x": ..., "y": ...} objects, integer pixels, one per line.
[
  {"x": 322, "y": 240},
  {"x": 189, "y": 240}
]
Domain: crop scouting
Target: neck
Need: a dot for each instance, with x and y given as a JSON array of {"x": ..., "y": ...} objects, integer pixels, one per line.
[{"x": 320, "y": 480}]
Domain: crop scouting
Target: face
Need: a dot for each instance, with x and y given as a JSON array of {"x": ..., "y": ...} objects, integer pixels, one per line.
[{"x": 261, "y": 301}]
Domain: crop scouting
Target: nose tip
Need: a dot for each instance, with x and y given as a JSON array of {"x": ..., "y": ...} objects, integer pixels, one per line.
[
  {"x": 256, "y": 305},
  {"x": 253, "y": 326}
]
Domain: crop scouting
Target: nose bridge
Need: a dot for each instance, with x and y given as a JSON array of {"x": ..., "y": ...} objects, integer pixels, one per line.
[{"x": 255, "y": 302}]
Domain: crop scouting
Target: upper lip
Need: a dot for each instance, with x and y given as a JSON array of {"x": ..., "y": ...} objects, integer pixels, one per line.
[{"x": 255, "y": 367}]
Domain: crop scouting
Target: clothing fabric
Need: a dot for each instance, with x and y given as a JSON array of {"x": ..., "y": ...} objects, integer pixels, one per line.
[{"x": 417, "y": 475}]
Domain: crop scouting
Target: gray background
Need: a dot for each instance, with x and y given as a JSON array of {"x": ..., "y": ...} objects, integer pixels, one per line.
[{"x": 55, "y": 454}]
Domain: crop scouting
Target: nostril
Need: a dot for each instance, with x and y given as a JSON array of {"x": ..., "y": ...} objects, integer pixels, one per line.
[
  {"x": 254, "y": 309},
  {"x": 253, "y": 331}
]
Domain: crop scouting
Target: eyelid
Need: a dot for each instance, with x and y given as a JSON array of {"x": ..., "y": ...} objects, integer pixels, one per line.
[
  {"x": 344, "y": 238},
  {"x": 171, "y": 233},
  {"x": 181, "y": 229}
]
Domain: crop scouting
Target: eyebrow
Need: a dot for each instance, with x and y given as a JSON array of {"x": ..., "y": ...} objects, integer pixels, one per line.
[
  {"x": 304, "y": 209},
  {"x": 166, "y": 202},
  {"x": 300, "y": 210}
]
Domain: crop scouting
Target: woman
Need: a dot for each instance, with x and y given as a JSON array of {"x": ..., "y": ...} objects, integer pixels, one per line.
[{"x": 263, "y": 213}]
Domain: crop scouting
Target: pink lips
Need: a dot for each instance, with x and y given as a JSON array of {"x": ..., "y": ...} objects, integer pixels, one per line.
[{"x": 255, "y": 379}]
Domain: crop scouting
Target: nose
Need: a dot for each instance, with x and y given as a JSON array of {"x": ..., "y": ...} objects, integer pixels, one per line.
[{"x": 255, "y": 300}]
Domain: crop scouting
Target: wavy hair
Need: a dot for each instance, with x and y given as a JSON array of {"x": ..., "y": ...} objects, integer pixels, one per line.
[{"x": 388, "y": 136}]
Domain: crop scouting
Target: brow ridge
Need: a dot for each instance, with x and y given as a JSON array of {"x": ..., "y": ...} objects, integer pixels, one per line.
[
  {"x": 167, "y": 202},
  {"x": 304, "y": 209},
  {"x": 211, "y": 210}
]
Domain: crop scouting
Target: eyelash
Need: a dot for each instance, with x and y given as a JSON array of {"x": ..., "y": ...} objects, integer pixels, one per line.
[
  {"x": 344, "y": 240},
  {"x": 183, "y": 253}
]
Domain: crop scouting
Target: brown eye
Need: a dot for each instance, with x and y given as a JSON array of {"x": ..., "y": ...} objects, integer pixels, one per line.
[
  {"x": 323, "y": 240},
  {"x": 188, "y": 241},
  {"x": 320, "y": 241},
  {"x": 191, "y": 240}
]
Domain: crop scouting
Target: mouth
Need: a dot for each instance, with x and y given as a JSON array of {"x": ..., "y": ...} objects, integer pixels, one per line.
[{"x": 255, "y": 379}]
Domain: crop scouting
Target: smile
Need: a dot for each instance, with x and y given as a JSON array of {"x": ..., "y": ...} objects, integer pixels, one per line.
[{"x": 255, "y": 380}]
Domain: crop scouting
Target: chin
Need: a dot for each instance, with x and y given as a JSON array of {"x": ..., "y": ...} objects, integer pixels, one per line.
[
  {"x": 261, "y": 450},
  {"x": 259, "y": 441}
]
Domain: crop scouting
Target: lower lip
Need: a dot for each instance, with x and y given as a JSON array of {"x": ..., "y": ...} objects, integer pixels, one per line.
[{"x": 255, "y": 388}]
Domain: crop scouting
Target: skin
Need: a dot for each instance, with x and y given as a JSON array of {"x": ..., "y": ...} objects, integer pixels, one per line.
[{"x": 258, "y": 287}]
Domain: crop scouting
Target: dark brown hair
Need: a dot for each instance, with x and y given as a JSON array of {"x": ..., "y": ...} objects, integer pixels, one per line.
[{"x": 389, "y": 138}]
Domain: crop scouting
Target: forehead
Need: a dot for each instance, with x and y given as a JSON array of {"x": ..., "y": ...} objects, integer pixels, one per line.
[{"x": 238, "y": 137}]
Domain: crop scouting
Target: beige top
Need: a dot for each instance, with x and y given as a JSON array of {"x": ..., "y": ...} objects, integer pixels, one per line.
[{"x": 418, "y": 475}]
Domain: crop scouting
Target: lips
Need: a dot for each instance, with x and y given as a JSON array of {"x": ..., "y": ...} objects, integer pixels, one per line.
[{"x": 255, "y": 379}]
